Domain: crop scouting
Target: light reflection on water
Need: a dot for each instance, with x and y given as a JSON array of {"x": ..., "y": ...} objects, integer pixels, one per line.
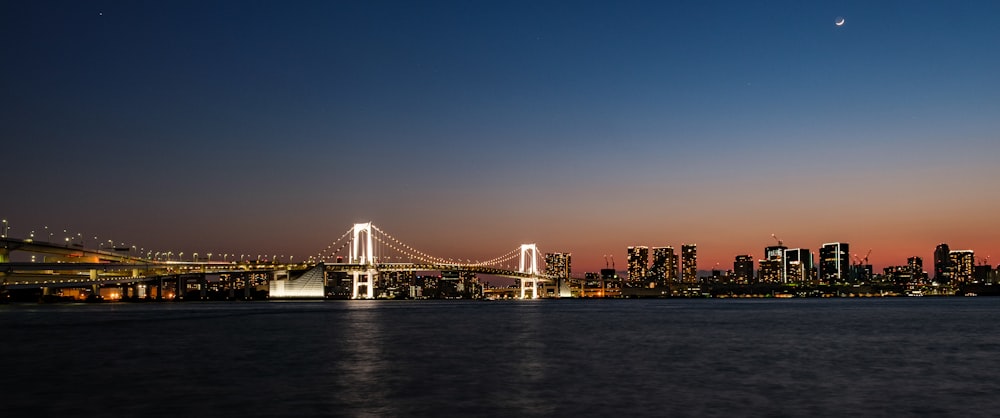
[{"x": 533, "y": 358}]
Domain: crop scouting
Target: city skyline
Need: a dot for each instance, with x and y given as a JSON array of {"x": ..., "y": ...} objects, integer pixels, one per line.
[{"x": 470, "y": 128}]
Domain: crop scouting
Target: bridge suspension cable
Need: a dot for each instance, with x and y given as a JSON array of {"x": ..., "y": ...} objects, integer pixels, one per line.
[
  {"x": 322, "y": 255},
  {"x": 423, "y": 256}
]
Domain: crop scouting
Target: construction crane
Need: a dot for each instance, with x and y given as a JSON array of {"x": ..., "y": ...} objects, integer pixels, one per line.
[
  {"x": 777, "y": 239},
  {"x": 866, "y": 256}
]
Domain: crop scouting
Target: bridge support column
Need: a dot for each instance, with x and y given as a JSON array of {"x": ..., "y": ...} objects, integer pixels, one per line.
[
  {"x": 181, "y": 288},
  {"x": 4, "y": 255},
  {"x": 95, "y": 289},
  {"x": 202, "y": 287},
  {"x": 159, "y": 288},
  {"x": 46, "y": 291},
  {"x": 369, "y": 282},
  {"x": 529, "y": 283}
]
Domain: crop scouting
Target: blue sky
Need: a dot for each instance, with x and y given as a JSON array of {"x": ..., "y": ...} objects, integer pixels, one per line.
[{"x": 583, "y": 126}]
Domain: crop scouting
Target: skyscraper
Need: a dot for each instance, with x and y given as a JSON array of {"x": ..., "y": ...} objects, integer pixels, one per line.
[
  {"x": 834, "y": 262},
  {"x": 743, "y": 269},
  {"x": 942, "y": 263},
  {"x": 962, "y": 265},
  {"x": 638, "y": 265},
  {"x": 664, "y": 268},
  {"x": 769, "y": 271},
  {"x": 798, "y": 265},
  {"x": 777, "y": 253},
  {"x": 916, "y": 266},
  {"x": 558, "y": 265},
  {"x": 689, "y": 263}
]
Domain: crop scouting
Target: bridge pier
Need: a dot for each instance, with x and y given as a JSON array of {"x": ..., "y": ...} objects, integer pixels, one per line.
[
  {"x": 534, "y": 287},
  {"x": 4, "y": 255},
  {"x": 369, "y": 282},
  {"x": 159, "y": 288},
  {"x": 181, "y": 288}
]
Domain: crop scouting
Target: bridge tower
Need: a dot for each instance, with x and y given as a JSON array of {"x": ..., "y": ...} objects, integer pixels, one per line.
[
  {"x": 529, "y": 266},
  {"x": 362, "y": 252}
]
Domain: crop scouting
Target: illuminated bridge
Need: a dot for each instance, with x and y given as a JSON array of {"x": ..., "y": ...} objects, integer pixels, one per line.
[{"x": 365, "y": 253}]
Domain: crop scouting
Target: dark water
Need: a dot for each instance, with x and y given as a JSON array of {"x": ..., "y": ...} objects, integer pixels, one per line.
[{"x": 875, "y": 357}]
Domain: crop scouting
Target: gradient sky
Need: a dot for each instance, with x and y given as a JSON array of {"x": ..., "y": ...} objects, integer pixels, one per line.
[{"x": 467, "y": 128}]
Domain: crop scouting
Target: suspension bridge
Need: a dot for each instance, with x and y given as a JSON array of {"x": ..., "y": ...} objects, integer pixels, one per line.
[{"x": 365, "y": 253}]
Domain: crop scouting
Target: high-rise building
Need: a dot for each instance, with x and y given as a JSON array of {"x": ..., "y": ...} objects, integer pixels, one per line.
[
  {"x": 664, "y": 268},
  {"x": 672, "y": 268},
  {"x": 798, "y": 264},
  {"x": 834, "y": 262},
  {"x": 689, "y": 263},
  {"x": 777, "y": 253},
  {"x": 638, "y": 266},
  {"x": 963, "y": 265},
  {"x": 558, "y": 265},
  {"x": 769, "y": 271},
  {"x": 942, "y": 264},
  {"x": 743, "y": 269},
  {"x": 916, "y": 266}
]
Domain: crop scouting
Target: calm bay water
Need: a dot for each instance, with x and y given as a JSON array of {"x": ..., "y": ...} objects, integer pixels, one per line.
[{"x": 873, "y": 357}]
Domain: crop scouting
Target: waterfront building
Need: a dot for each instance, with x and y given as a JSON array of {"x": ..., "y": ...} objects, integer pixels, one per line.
[
  {"x": 689, "y": 263},
  {"x": 942, "y": 263},
  {"x": 916, "y": 265},
  {"x": 834, "y": 261},
  {"x": 769, "y": 271},
  {"x": 899, "y": 275},
  {"x": 777, "y": 253},
  {"x": 798, "y": 266},
  {"x": 611, "y": 282},
  {"x": 557, "y": 265},
  {"x": 664, "y": 269},
  {"x": 962, "y": 263},
  {"x": 861, "y": 273},
  {"x": 638, "y": 266},
  {"x": 743, "y": 269},
  {"x": 983, "y": 273}
]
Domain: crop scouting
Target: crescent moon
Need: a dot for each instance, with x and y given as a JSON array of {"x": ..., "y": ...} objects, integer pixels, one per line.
[{"x": 839, "y": 21}]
